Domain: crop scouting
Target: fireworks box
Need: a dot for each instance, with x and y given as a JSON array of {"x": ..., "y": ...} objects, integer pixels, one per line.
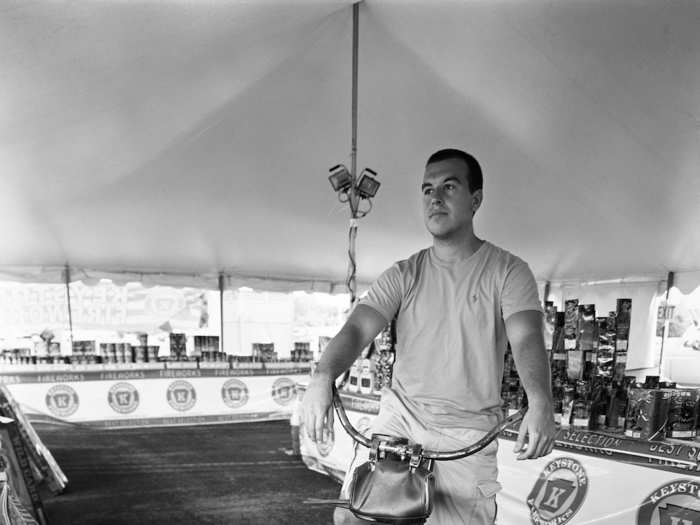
[
  {"x": 18, "y": 474},
  {"x": 558, "y": 360},
  {"x": 111, "y": 353},
  {"x": 152, "y": 353},
  {"x": 647, "y": 413},
  {"x": 623, "y": 316},
  {"x": 575, "y": 364},
  {"x": 587, "y": 339},
  {"x": 682, "y": 413},
  {"x": 606, "y": 351},
  {"x": 611, "y": 340},
  {"x": 178, "y": 345},
  {"x": 140, "y": 353},
  {"x": 570, "y": 323},
  {"x": 590, "y": 365},
  {"x": 550, "y": 320},
  {"x": 83, "y": 347}
]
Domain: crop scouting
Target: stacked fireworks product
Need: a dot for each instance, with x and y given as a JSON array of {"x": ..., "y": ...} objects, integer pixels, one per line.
[
  {"x": 206, "y": 348},
  {"x": 302, "y": 352},
  {"x": 588, "y": 357},
  {"x": 373, "y": 370},
  {"x": 658, "y": 410}
]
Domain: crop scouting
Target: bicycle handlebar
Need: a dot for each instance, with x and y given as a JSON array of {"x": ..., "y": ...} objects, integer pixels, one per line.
[{"x": 428, "y": 454}]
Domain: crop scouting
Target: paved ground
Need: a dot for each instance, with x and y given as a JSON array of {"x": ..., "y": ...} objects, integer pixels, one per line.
[{"x": 209, "y": 474}]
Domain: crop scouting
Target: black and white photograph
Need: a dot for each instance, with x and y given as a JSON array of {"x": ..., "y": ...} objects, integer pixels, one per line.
[{"x": 333, "y": 262}]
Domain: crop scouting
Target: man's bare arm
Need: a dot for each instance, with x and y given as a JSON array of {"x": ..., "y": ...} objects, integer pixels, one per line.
[
  {"x": 524, "y": 331},
  {"x": 359, "y": 330}
]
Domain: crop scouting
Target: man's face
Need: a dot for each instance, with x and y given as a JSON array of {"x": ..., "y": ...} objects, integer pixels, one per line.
[{"x": 448, "y": 205}]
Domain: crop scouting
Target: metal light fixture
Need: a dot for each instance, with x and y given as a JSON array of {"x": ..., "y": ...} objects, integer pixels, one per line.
[
  {"x": 340, "y": 178},
  {"x": 368, "y": 185}
]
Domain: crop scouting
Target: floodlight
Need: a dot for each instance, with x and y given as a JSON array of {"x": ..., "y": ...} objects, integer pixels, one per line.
[
  {"x": 340, "y": 178},
  {"x": 368, "y": 185}
]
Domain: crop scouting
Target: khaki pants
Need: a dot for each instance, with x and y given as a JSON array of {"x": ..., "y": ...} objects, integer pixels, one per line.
[{"x": 465, "y": 489}]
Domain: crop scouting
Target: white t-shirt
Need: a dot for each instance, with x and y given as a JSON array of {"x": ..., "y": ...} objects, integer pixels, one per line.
[{"x": 451, "y": 337}]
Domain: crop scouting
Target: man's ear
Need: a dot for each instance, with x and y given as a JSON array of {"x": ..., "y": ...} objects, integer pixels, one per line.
[{"x": 477, "y": 198}]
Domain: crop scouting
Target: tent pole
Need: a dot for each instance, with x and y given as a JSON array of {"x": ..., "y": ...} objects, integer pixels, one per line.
[
  {"x": 353, "y": 197},
  {"x": 669, "y": 284},
  {"x": 355, "y": 48},
  {"x": 66, "y": 274},
  {"x": 221, "y": 310}
]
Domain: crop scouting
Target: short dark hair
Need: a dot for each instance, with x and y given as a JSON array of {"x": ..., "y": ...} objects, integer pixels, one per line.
[{"x": 474, "y": 175}]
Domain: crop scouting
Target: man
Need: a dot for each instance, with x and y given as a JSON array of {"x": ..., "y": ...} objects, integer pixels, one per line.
[{"x": 457, "y": 304}]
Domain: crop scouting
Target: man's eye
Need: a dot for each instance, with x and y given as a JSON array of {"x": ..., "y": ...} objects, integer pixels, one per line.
[
  {"x": 449, "y": 187},
  {"x": 427, "y": 191}
]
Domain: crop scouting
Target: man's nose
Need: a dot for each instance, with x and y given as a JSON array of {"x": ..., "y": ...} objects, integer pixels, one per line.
[{"x": 436, "y": 196}]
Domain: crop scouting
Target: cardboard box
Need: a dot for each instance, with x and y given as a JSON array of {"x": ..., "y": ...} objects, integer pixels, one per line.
[
  {"x": 587, "y": 339},
  {"x": 682, "y": 414},
  {"x": 550, "y": 320},
  {"x": 570, "y": 323},
  {"x": 647, "y": 413}
]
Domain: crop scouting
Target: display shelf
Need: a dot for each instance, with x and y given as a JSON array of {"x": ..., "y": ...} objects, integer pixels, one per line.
[
  {"x": 589, "y": 477},
  {"x": 675, "y": 455}
]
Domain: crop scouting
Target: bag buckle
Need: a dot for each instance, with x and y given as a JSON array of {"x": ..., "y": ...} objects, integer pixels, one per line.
[{"x": 416, "y": 457}]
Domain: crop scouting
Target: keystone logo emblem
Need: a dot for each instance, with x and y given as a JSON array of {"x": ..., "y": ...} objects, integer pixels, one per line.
[
  {"x": 558, "y": 493},
  {"x": 62, "y": 400},
  {"x": 181, "y": 395},
  {"x": 234, "y": 393},
  {"x": 123, "y": 398},
  {"x": 674, "y": 503},
  {"x": 283, "y": 391}
]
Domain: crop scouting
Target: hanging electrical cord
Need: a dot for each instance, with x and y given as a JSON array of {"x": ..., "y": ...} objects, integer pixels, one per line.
[
  {"x": 358, "y": 195},
  {"x": 350, "y": 282},
  {"x": 349, "y": 187}
]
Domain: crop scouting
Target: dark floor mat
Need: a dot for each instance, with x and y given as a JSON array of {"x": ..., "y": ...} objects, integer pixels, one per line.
[{"x": 210, "y": 474}]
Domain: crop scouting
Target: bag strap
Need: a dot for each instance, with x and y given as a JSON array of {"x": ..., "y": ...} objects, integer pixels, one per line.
[{"x": 428, "y": 454}]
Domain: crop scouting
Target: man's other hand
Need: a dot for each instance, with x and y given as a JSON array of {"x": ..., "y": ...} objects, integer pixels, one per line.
[
  {"x": 317, "y": 410},
  {"x": 537, "y": 429}
]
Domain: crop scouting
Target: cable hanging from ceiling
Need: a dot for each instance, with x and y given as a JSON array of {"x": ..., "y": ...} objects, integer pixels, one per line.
[{"x": 356, "y": 192}]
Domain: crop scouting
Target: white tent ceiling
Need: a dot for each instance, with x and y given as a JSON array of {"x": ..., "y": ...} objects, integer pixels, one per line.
[{"x": 196, "y": 136}]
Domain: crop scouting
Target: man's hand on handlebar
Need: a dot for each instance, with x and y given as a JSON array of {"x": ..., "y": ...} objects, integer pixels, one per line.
[
  {"x": 317, "y": 408},
  {"x": 539, "y": 429}
]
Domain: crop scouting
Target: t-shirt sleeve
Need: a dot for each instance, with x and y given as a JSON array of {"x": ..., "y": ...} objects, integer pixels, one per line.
[
  {"x": 519, "y": 292},
  {"x": 385, "y": 293}
]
